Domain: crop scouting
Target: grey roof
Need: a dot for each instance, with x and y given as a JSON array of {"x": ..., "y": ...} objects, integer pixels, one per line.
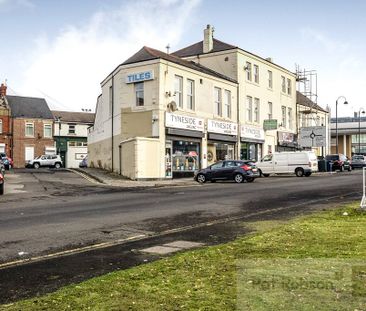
[
  {"x": 147, "y": 53},
  {"x": 197, "y": 48},
  {"x": 28, "y": 107},
  {"x": 302, "y": 100},
  {"x": 75, "y": 117}
]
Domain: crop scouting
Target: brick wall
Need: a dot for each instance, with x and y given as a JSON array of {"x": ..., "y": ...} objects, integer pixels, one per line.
[
  {"x": 5, "y": 137},
  {"x": 38, "y": 142}
]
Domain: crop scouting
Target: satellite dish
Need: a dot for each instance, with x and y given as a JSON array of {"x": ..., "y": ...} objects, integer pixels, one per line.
[{"x": 172, "y": 106}]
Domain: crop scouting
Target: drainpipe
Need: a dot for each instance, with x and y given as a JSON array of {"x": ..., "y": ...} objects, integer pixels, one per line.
[
  {"x": 238, "y": 119},
  {"x": 112, "y": 120},
  {"x": 120, "y": 157}
]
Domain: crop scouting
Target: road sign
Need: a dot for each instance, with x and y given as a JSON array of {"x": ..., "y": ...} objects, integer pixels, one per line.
[
  {"x": 270, "y": 124},
  {"x": 313, "y": 136}
]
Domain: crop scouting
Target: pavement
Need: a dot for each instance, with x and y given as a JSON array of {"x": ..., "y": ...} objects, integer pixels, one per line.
[{"x": 115, "y": 180}]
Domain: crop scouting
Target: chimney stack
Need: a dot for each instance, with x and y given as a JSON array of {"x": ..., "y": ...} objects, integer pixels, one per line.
[
  {"x": 3, "y": 88},
  {"x": 208, "y": 39}
]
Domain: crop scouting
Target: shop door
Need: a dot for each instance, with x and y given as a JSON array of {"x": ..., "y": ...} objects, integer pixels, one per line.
[
  {"x": 230, "y": 152},
  {"x": 29, "y": 153},
  {"x": 168, "y": 159}
]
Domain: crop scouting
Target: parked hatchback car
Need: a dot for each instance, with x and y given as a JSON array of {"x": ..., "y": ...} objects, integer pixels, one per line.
[
  {"x": 358, "y": 161},
  {"x": 84, "y": 162},
  {"x": 338, "y": 162},
  {"x": 45, "y": 161},
  {"x": 236, "y": 170}
]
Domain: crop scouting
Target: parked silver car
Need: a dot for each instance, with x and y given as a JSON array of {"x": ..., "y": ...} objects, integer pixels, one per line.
[
  {"x": 45, "y": 161},
  {"x": 358, "y": 161}
]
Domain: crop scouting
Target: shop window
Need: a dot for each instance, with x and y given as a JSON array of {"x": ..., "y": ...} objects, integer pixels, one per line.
[
  {"x": 217, "y": 94},
  {"x": 190, "y": 94},
  {"x": 221, "y": 151},
  {"x": 139, "y": 91},
  {"x": 178, "y": 89},
  {"x": 227, "y": 104},
  {"x": 185, "y": 156}
]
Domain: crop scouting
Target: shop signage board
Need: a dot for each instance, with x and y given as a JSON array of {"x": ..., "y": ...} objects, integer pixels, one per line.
[
  {"x": 313, "y": 136},
  {"x": 140, "y": 76},
  {"x": 251, "y": 132},
  {"x": 221, "y": 127},
  {"x": 286, "y": 137},
  {"x": 270, "y": 124},
  {"x": 184, "y": 122}
]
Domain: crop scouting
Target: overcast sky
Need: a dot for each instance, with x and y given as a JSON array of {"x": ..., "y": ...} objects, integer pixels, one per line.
[{"x": 62, "y": 50}]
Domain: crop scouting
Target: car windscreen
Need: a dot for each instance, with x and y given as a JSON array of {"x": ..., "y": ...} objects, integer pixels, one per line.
[{"x": 332, "y": 157}]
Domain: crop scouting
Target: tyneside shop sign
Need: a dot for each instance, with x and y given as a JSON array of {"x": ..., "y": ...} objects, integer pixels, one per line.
[
  {"x": 222, "y": 127},
  {"x": 184, "y": 122}
]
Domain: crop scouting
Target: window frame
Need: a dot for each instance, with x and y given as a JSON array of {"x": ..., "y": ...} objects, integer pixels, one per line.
[
  {"x": 190, "y": 94},
  {"x": 227, "y": 103},
  {"x": 26, "y": 126},
  {"x": 283, "y": 84},
  {"x": 284, "y": 116},
  {"x": 249, "y": 110},
  {"x": 290, "y": 117},
  {"x": 270, "y": 110},
  {"x": 256, "y": 73},
  {"x": 178, "y": 93},
  {"x": 248, "y": 67},
  {"x": 70, "y": 125},
  {"x": 139, "y": 89},
  {"x": 256, "y": 109},
  {"x": 270, "y": 79},
  {"x": 289, "y": 86},
  {"x": 218, "y": 101},
  {"x": 44, "y": 130}
]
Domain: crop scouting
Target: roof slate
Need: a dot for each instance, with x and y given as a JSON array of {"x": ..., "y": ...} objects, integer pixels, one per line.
[
  {"x": 147, "y": 53},
  {"x": 301, "y": 99},
  {"x": 197, "y": 48},
  {"x": 71, "y": 116},
  {"x": 29, "y": 107}
]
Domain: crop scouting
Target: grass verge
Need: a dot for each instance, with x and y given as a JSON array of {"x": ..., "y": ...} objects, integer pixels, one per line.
[{"x": 312, "y": 263}]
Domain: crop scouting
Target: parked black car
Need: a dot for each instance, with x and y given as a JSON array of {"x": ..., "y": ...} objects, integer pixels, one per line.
[
  {"x": 236, "y": 170},
  {"x": 338, "y": 162}
]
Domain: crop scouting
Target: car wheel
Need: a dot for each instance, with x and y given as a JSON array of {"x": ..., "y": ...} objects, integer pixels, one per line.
[
  {"x": 36, "y": 165},
  {"x": 261, "y": 174},
  {"x": 250, "y": 179},
  {"x": 299, "y": 172},
  {"x": 307, "y": 174},
  {"x": 238, "y": 178},
  {"x": 2, "y": 189},
  {"x": 201, "y": 178},
  {"x": 57, "y": 165}
]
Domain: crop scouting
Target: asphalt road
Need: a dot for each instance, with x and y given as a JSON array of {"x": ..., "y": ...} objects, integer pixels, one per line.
[{"x": 60, "y": 211}]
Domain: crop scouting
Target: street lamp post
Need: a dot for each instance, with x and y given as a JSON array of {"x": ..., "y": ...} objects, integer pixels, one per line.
[
  {"x": 345, "y": 103},
  {"x": 59, "y": 135},
  {"x": 359, "y": 129}
]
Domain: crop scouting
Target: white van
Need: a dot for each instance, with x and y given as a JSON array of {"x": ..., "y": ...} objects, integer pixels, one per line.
[{"x": 302, "y": 163}]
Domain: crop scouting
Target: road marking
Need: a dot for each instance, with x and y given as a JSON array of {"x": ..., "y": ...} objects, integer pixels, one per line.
[
  {"x": 163, "y": 233},
  {"x": 85, "y": 176}
]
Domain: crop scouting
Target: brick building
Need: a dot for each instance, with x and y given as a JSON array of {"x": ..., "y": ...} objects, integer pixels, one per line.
[
  {"x": 5, "y": 130},
  {"x": 32, "y": 128}
]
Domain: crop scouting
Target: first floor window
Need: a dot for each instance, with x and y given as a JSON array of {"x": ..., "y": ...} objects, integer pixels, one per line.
[
  {"x": 47, "y": 130},
  {"x": 283, "y": 84},
  {"x": 217, "y": 95},
  {"x": 227, "y": 104},
  {"x": 29, "y": 129},
  {"x": 289, "y": 88},
  {"x": 289, "y": 112},
  {"x": 249, "y": 109},
  {"x": 139, "y": 91},
  {"x": 190, "y": 94},
  {"x": 270, "y": 79},
  {"x": 178, "y": 90},
  {"x": 71, "y": 128},
  {"x": 283, "y": 116},
  {"x": 256, "y": 74},
  {"x": 270, "y": 110},
  {"x": 248, "y": 69},
  {"x": 256, "y": 110}
]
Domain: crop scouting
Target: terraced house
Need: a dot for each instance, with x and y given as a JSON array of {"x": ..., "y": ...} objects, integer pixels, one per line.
[{"x": 165, "y": 115}]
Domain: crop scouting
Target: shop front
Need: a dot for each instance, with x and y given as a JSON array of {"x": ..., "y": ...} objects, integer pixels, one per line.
[
  {"x": 222, "y": 140},
  {"x": 287, "y": 142},
  {"x": 251, "y": 142},
  {"x": 183, "y": 145}
]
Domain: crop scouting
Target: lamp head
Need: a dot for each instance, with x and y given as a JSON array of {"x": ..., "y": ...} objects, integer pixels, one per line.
[{"x": 346, "y": 102}]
